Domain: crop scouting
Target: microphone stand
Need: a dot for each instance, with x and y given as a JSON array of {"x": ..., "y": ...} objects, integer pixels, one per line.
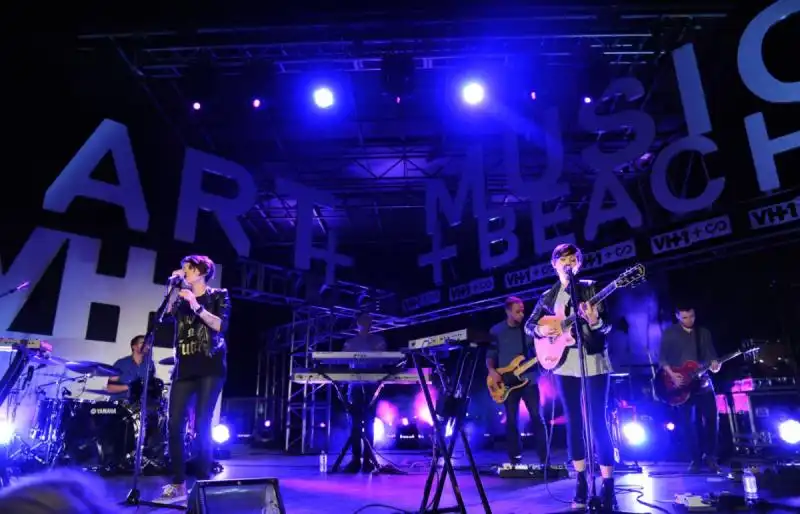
[
  {"x": 594, "y": 503},
  {"x": 134, "y": 495}
]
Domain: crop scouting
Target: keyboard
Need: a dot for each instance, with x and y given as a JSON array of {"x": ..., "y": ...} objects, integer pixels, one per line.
[
  {"x": 376, "y": 358},
  {"x": 367, "y": 377},
  {"x": 37, "y": 345},
  {"x": 464, "y": 335}
]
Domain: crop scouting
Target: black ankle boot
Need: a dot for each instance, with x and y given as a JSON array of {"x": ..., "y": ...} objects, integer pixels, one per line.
[
  {"x": 608, "y": 497},
  {"x": 581, "y": 492}
]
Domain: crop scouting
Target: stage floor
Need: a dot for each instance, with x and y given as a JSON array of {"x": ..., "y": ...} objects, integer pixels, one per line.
[{"x": 305, "y": 490}]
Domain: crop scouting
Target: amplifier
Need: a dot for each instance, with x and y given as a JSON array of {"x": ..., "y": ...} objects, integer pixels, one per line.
[
  {"x": 244, "y": 496},
  {"x": 757, "y": 416}
]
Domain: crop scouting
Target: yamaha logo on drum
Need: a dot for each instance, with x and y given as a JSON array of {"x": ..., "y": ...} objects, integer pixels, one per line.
[{"x": 103, "y": 411}]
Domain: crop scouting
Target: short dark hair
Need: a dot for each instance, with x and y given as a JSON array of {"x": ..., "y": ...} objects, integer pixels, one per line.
[
  {"x": 135, "y": 339},
  {"x": 201, "y": 263},
  {"x": 683, "y": 307},
  {"x": 565, "y": 249},
  {"x": 511, "y": 300}
]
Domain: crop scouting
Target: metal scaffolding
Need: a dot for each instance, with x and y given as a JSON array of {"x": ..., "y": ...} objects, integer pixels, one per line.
[{"x": 308, "y": 407}]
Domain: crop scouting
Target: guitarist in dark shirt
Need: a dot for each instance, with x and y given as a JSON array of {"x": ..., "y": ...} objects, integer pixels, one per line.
[
  {"x": 508, "y": 341},
  {"x": 682, "y": 342}
]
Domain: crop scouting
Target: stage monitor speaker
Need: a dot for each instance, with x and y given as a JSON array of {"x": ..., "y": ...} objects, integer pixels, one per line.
[{"x": 243, "y": 496}]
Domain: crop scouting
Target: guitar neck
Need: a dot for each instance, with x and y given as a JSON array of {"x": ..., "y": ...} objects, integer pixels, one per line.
[{"x": 721, "y": 362}]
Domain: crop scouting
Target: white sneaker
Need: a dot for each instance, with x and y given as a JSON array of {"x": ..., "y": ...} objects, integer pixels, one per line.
[{"x": 172, "y": 493}]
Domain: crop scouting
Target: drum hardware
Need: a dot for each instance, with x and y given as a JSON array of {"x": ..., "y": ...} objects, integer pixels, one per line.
[{"x": 167, "y": 361}]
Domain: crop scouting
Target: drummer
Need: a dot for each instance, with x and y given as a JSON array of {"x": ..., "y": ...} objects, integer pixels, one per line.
[{"x": 133, "y": 368}]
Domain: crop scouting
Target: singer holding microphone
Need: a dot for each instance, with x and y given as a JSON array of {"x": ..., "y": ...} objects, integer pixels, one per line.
[
  {"x": 201, "y": 318},
  {"x": 566, "y": 261}
]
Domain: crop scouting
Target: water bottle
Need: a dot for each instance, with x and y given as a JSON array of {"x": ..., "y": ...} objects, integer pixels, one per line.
[
  {"x": 323, "y": 462},
  {"x": 750, "y": 485}
]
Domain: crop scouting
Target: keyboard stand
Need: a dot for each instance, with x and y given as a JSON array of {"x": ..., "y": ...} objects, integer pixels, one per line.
[
  {"x": 349, "y": 444},
  {"x": 455, "y": 401}
]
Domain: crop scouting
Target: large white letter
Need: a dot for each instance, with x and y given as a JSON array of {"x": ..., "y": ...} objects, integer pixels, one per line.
[
  {"x": 752, "y": 68},
  {"x": 75, "y": 179},
  {"x": 541, "y": 220},
  {"x": 624, "y": 207},
  {"x": 658, "y": 177},
  {"x": 640, "y": 123},
  {"x": 505, "y": 232},
  {"x": 765, "y": 149},
  {"x": 304, "y": 250},
  {"x": 437, "y": 197},
  {"x": 29, "y": 265},
  {"x": 437, "y": 256},
  {"x": 644, "y": 131},
  {"x": 690, "y": 86},
  {"x": 554, "y": 147},
  {"x": 193, "y": 199}
]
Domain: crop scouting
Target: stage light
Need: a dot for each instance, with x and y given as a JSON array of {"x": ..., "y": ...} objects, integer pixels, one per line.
[
  {"x": 473, "y": 93},
  {"x": 323, "y": 98},
  {"x": 196, "y": 106},
  {"x": 587, "y": 100},
  {"x": 378, "y": 429},
  {"x": 220, "y": 434},
  {"x": 6, "y": 432},
  {"x": 267, "y": 424},
  {"x": 634, "y": 433},
  {"x": 405, "y": 422},
  {"x": 790, "y": 431},
  {"x": 256, "y": 103},
  {"x": 670, "y": 426},
  {"x": 533, "y": 95}
]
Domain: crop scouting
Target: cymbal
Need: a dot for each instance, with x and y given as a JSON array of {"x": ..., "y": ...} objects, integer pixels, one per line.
[
  {"x": 48, "y": 360},
  {"x": 167, "y": 361},
  {"x": 97, "y": 369},
  {"x": 620, "y": 374}
]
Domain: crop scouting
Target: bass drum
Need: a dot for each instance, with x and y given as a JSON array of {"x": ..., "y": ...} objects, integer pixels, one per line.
[{"x": 97, "y": 434}]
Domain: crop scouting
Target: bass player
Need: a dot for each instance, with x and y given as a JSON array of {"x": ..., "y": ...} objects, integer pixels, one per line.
[
  {"x": 557, "y": 301},
  {"x": 680, "y": 343},
  {"x": 508, "y": 341}
]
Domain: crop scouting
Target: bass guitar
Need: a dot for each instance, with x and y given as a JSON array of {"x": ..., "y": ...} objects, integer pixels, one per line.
[
  {"x": 512, "y": 378},
  {"x": 550, "y": 350},
  {"x": 692, "y": 376}
]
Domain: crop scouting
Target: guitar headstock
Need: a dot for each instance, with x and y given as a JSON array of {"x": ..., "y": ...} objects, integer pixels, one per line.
[{"x": 631, "y": 277}]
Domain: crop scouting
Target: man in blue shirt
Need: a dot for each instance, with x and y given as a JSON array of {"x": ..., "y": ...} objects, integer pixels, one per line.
[
  {"x": 132, "y": 367},
  {"x": 508, "y": 341}
]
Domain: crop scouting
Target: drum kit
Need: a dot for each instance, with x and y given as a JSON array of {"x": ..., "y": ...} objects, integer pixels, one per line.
[{"x": 99, "y": 435}]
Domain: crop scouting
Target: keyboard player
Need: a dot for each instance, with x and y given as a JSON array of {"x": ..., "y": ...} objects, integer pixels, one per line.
[{"x": 359, "y": 395}]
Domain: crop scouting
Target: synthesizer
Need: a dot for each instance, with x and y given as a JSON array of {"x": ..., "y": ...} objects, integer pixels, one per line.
[
  {"x": 464, "y": 335},
  {"x": 366, "y": 377},
  {"x": 376, "y": 358},
  {"x": 9, "y": 343}
]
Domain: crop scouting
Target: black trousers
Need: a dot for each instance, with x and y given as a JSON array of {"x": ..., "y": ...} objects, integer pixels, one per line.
[
  {"x": 205, "y": 391},
  {"x": 569, "y": 388},
  {"x": 362, "y": 418},
  {"x": 700, "y": 424},
  {"x": 530, "y": 395}
]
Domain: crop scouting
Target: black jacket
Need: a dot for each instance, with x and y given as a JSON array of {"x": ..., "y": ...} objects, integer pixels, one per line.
[
  {"x": 595, "y": 341},
  {"x": 218, "y": 303}
]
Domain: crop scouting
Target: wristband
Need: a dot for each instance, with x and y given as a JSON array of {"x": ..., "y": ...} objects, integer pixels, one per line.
[{"x": 199, "y": 310}]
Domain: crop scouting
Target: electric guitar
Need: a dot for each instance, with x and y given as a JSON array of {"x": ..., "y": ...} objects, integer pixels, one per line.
[
  {"x": 512, "y": 378},
  {"x": 692, "y": 374},
  {"x": 550, "y": 350}
]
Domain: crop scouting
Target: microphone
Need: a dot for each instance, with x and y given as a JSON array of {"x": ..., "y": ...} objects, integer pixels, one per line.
[{"x": 568, "y": 271}]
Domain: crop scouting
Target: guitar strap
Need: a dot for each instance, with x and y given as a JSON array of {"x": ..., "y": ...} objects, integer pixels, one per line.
[{"x": 522, "y": 341}]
